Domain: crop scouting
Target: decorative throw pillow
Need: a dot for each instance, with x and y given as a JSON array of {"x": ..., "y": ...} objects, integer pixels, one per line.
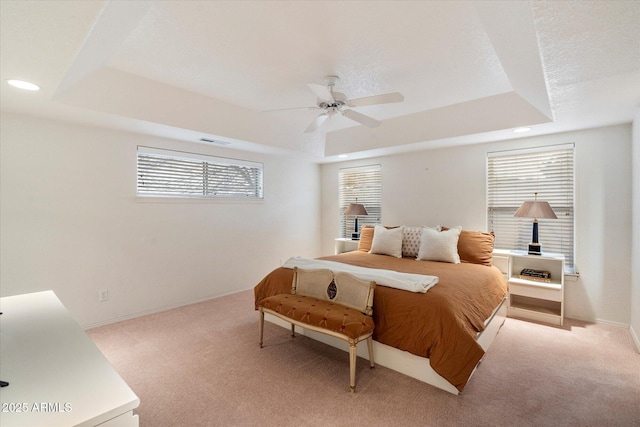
[
  {"x": 411, "y": 241},
  {"x": 440, "y": 245},
  {"x": 366, "y": 238},
  {"x": 476, "y": 247},
  {"x": 387, "y": 241}
]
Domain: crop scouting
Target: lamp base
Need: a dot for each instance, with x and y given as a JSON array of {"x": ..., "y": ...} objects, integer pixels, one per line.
[
  {"x": 535, "y": 249},
  {"x": 355, "y": 236}
]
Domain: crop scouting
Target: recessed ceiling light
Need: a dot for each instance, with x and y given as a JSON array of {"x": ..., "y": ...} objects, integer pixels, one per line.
[
  {"x": 21, "y": 84},
  {"x": 521, "y": 130},
  {"x": 342, "y": 156}
]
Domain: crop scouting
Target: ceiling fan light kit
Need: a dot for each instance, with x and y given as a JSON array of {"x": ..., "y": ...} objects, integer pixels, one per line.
[{"x": 336, "y": 102}]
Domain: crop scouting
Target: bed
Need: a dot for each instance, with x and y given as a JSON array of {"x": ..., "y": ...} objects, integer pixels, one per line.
[{"x": 439, "y": 336}]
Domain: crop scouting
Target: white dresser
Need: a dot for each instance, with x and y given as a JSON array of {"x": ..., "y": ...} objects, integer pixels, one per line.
[{"x": 56, "y": 374}]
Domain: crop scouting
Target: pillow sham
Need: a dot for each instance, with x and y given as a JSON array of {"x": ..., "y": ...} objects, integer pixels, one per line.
[
  {"x": 440, "y": 245},
  {"x": 476, "y": 247},
  {"x": 387, "y": 241}
]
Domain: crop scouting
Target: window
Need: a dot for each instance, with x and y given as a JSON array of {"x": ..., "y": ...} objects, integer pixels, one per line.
[
  {"x": 177, "y": 174},
  {"x": 513, "y": 177},
  {"x": 365, "y": 185}
]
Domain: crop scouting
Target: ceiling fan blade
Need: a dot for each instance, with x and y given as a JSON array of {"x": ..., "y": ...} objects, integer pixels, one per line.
[
  {"x": 386, "y": 98},
  {"x": 361, "y": 118},
  {"x": 289, "y": 109},
  {"x": 317, "y": 123},
  {"x": 321, "y": 92}
]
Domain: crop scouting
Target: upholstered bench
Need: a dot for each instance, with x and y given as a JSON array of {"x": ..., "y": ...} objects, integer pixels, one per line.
[{"x": 339, "y": 305}]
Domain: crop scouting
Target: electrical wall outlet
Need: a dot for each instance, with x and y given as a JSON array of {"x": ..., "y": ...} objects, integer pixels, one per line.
[{"x": 103, "y": 295}]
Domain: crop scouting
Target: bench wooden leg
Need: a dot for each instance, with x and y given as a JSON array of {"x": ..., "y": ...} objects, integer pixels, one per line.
[
  {"x": 370, "y": 346},
  {"x": 261, "y": 323},
  {"x": 352, "y": 342},
  {"x": 352, "y": 367}
]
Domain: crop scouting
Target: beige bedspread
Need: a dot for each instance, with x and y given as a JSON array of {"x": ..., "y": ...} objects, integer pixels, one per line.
[{"x": 441, "y": 324}]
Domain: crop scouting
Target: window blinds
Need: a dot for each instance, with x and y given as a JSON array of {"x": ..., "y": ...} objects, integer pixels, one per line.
[
  {"x": 513, "y": 177},
  {"x": 364, "y": 184},
  {"x": 178, "y": 174}
]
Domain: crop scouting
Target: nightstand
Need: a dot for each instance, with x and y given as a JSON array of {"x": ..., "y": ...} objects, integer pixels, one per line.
[
  {"x": 345, "y": 245},
  {"x": 536, "y": 298}
]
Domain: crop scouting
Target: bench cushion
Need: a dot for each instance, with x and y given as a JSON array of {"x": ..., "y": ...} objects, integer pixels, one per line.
[{"x": 316, "y": 312}]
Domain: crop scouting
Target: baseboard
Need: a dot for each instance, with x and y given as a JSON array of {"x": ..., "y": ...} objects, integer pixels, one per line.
[
  {"x": 598, "y": 321},
  {"x": 635, "y": 338},
  {"x": 158, "y": 310}
]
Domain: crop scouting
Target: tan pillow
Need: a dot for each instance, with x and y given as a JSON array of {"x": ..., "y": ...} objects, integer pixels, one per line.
[
  {"x": 366, "y": 238},
  {"x": 476, "y": 247}
]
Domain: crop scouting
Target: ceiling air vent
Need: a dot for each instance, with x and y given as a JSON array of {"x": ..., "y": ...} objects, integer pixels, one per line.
[{"x": 213, "y": 141}]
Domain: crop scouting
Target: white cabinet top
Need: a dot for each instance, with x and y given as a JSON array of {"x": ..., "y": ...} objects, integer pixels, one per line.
[
  {"x": 544, "y": 254},
  {"x": 57, "y": 375}
]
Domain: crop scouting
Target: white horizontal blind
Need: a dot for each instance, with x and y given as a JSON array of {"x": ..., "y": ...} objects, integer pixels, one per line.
[
  {"x": 168, "y": 173},
  {"x": 513, "y": 177},
  {"x": 365, "y": 184}
]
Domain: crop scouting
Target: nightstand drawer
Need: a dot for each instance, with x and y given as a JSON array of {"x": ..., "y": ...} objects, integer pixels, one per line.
[{"x": 543, "y": 291}]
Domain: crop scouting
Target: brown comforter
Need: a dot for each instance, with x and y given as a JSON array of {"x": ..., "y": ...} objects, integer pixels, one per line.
[{"x": 441, "y": 324}]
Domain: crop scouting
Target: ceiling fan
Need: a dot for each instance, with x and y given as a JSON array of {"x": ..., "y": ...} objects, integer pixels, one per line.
[{"x": 335, "y": 102}]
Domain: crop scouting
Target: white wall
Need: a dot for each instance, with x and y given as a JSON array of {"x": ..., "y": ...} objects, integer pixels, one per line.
[
  {"x": 448, "y": 186},
  {"x": 635, "y": 250},
  {"x": 70, "y": 221}
]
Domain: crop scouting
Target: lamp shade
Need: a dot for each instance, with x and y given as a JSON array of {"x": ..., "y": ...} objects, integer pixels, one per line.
[
  {"x": 355, "y": 209},
  {"x": 535, "y": 209}
]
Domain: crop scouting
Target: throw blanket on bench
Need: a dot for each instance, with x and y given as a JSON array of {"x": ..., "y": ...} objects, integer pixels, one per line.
[{"x": 394, "y": 279}]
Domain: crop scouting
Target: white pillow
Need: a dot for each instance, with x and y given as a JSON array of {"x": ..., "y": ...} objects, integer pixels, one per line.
[
  {"x": 387, "y": 241},
  {"x": 411, "y": 237},
  {"x": 440, "y": 245}
]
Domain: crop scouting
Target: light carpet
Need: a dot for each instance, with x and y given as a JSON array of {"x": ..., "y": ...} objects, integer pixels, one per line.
[{"x": 200, "y": 365}]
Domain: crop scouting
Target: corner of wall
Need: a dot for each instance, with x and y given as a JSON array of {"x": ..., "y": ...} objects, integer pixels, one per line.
[{"x": 635, "y": 231}]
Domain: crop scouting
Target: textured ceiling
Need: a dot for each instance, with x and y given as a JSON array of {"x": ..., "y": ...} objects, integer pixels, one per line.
[{"x": 469, "y": 71}]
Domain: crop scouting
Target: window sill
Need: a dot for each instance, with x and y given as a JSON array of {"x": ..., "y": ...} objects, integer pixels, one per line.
[{"x": 197, "y": 200}]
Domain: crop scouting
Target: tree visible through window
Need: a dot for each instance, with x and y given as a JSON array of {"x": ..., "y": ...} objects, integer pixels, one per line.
[
  {"x": 178, "y": 174},
  {"x": 513, "y": 177}
]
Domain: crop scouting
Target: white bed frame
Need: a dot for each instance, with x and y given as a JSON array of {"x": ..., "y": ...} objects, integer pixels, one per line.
[{"x": 404, "y": 362}]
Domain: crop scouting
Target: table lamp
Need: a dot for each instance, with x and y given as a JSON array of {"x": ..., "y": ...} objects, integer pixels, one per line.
[
  {"x": 535, "y": 209},
  {"x": 355, "y": 209}
]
